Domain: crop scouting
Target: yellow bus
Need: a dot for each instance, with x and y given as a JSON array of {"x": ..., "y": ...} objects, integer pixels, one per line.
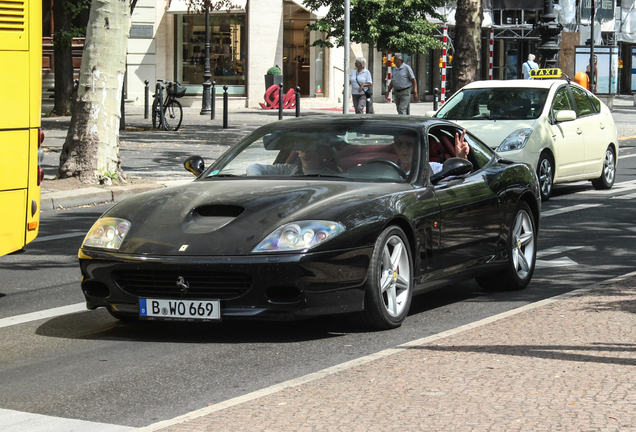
[{"x": 20, "y": 135}]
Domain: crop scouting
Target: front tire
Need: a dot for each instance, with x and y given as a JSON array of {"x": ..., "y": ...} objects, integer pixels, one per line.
[
  {"x": 545, "y": 172},
  {"x": 389, "y": 287},
  {"x": 608, "y": 175},
  {"x": 521, "y": 248}
]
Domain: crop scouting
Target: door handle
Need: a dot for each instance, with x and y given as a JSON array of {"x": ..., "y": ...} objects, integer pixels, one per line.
[
  {"x": 579, "y": 131},
  {"x": 602, "y": 126}
]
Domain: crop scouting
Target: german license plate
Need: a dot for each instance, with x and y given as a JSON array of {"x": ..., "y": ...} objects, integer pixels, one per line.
[{"x": 159, "y": 309}]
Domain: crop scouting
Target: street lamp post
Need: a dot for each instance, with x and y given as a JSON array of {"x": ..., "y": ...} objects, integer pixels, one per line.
[
  {"x": 549, "y": 31},
  {"x": 206, "y": 108}
]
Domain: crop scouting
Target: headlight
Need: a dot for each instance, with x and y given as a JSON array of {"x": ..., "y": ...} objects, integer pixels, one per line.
[
  {"x": 300, "y": 236},
  {"x": 515, "y": 141},
  {"x": 107, "y": 233}
]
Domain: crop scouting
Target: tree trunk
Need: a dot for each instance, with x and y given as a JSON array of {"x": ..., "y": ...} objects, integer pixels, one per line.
[
  {"x": 466, "y": 68},
  {"x": 91, "y": 149},
  {"x": 63, "y": 58}
]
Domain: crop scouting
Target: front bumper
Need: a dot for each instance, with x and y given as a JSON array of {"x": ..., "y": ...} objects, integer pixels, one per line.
[{"x": 264, "y": 286}]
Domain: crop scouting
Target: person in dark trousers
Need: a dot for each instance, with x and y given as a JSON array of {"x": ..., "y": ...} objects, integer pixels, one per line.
[{"x": 402, "y": 82}]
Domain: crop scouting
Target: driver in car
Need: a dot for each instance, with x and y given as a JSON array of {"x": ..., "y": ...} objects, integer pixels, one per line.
[
  {"x": 404, "y": 148},
  {"x": 316, "y": 158}
]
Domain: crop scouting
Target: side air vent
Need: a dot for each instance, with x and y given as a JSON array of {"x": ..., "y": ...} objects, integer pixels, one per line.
[{"x": 12, "y": 16}]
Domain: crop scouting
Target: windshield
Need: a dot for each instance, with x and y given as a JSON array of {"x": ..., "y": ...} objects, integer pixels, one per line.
[
  {"x": 495, "y": 103},
  {"x": 365, "y": 153}
]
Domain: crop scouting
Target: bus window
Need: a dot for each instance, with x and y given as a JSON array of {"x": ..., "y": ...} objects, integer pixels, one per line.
[{"x": 20, "y": 135}]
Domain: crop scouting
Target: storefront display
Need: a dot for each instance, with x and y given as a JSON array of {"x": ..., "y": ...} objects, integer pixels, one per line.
[{"x": 227, "y": 52}]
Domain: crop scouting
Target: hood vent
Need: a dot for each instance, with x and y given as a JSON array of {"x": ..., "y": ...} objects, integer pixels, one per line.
[
  {"x": 216, "y": 210},
  {"x": 211, "y": 217},
  {"x": 12, "y": 16}
]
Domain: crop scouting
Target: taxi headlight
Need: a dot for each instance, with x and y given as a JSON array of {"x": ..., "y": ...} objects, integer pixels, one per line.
[
  {"x": 107, "y": 233},
  {"x": 300, "y": 236},
  {"x": 515, "y": 141}
]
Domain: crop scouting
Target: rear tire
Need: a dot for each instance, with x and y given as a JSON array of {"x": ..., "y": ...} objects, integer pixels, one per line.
[
  {"x": 521, "y": 249},
  {"x": 173, "y": 115},
  {"x": 608, "y": 175},
  {"x": 389, "y": 287},
  {"x": 545, "y": 172}
]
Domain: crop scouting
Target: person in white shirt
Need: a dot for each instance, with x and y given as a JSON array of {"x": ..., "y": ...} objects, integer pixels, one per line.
[
  {"x": 528, "y": 66},
  {"x": 360, "y": 81}
]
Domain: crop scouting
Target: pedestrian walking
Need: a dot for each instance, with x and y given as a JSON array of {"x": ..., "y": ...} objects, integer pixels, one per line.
[
  {"x": 402, "y": 80},
  {"x": 361, "y": 85},
  {"x": 528, "y": 66}
]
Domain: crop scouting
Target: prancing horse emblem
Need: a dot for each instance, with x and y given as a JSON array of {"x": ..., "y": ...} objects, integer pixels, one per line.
[{"x": 182, "y": 284}]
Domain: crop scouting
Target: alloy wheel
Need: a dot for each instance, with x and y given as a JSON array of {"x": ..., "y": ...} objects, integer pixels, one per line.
[
  {"x": 395, "y": 279},
  {"x": 523, "y": 248}
]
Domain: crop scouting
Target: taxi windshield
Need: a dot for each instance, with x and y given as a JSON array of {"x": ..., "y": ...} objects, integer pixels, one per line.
[{"x": 495, "y": 103}]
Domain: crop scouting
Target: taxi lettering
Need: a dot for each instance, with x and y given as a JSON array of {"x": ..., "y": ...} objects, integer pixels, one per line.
[{"x": 545, "y": 73}]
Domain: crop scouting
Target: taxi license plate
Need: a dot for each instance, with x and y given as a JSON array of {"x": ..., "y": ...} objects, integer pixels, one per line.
[{"x": 158, "y": 309}]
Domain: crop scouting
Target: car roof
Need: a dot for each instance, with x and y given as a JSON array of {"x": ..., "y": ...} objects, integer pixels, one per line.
[
  {"x": 328, "y": 121},
  {"x": 518, "y": 83}
]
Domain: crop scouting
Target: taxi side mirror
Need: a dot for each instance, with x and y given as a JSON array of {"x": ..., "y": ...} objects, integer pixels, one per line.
[{"x": 565, "y": 115}]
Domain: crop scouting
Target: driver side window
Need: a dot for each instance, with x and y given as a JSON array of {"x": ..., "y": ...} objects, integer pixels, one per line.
[{"x": 561, "y": 101}]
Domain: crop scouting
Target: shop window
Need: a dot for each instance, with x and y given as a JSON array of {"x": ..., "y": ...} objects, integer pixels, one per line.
[{"x": 227, "y": 52}]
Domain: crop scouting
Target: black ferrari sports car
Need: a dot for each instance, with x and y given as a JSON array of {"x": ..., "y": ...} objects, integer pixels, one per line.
[{"x": 328, "y": 215}]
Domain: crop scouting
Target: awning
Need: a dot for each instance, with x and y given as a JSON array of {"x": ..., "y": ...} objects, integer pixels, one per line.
[{"x": 181, "y": 7}]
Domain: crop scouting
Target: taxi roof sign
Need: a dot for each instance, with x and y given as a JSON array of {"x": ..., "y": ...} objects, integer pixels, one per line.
[{"x": 545, "y": 73}]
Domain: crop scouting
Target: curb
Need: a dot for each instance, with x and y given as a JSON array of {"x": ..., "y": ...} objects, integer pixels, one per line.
[{"x": 92, "y": 196}]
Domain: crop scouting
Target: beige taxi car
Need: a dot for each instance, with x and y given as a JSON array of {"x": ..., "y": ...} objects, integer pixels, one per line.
[{"x": 565, "y": 132}]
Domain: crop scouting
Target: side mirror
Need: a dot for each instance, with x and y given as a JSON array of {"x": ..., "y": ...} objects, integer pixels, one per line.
[
  {"x": 195, "y": 165},
  {"x": 452, "y": 167},
  {"x": 565, "y": 115},
  {"x": 430, "y": 113}
]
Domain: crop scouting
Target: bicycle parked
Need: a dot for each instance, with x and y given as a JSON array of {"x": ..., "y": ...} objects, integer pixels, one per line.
[{"x": 169, "y": 116}]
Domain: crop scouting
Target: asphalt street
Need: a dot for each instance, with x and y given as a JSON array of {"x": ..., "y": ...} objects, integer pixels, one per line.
[{"x": 84, "y": 366}]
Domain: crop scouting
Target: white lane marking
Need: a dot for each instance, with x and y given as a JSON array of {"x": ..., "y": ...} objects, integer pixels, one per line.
[
  {"x": 367, "y": 359},
  {"x": 568, "y": 209},
  {"x": 556, "y": 250},
  {"x": 627, "y": 156},
  {"x": 59, "y": 236},
  {"x": 17, "y": 421},
  {"x": 624, "y": 197},
  {"x": 558, "y": 262},
  {"x": 48, "y": 313}
]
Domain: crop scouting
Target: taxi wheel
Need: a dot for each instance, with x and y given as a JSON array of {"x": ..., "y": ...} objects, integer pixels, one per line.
[
  {"x": 389, "y": 287},
  {"x": 521, "y": 250},
  {"x": 606, "y": 180},
  {"x": 545, "y": 172}
]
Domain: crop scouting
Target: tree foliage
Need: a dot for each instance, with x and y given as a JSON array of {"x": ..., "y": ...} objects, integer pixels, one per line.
[{"x": 397, "y": 25}]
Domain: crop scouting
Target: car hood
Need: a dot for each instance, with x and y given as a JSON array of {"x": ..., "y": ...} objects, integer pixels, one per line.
[
  {"x": 493, "y": 132},
  {"x": 231, "y": 217}
]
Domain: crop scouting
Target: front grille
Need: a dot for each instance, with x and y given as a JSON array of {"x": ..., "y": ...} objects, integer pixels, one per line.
[{"x": 202, "y": 284}]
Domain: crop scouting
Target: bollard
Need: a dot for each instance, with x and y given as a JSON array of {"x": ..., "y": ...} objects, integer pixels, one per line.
[
  {"x": 146, "y": 98},
  {"x": 280, "y": 101},
  {"x": 435, "y": 92},
  {"x": 297, "y": 101},
  {"x": 213, "y": 101},
  {"x": 225, "y": 106},
  {"x": 368, "y": 105}
]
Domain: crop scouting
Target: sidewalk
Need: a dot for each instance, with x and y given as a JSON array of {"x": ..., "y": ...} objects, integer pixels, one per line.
[{"x": 564, "y": 364}]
